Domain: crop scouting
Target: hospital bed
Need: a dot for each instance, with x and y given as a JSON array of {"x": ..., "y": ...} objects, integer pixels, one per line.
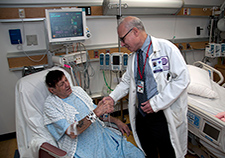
[{"x": 206, "y": 98}]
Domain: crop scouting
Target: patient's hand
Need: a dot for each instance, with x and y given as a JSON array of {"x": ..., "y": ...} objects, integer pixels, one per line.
[
  {"x": 122, "y": 127},
  {"x": 221, "y": 116}
]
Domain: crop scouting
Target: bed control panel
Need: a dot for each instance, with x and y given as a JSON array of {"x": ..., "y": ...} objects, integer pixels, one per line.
[
  {"x": 207, "y": 129},
  {"x": 193, "y": 119},
  {"x": 210, "y": 131}
]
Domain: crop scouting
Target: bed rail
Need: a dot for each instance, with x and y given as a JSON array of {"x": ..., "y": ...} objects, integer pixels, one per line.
[{"x": 211, "y": 71}]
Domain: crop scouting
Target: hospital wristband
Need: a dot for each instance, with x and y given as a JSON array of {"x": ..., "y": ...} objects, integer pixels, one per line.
[{"x": 92, "y": 117}]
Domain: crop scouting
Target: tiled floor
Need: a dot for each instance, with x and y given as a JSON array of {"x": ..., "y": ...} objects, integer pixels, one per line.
[{"x": 8, "y": 147}]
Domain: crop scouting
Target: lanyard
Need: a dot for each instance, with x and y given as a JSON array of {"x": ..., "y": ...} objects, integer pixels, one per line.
[{"x": 139, "y": 71}]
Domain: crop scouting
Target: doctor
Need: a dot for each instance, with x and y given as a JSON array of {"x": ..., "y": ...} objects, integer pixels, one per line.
[{"x": 156, "y": 80}]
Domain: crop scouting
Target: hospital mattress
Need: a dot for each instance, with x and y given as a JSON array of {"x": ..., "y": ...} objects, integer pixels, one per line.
[
  {"x": 204, "y": 125},
  {"x": 211, "y": 106}
]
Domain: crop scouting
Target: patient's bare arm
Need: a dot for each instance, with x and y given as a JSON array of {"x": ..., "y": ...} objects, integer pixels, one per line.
[{"x": 80, "y": 127}]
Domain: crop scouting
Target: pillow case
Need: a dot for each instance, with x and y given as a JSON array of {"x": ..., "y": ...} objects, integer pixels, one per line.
[{"x": 200, "y": 83}]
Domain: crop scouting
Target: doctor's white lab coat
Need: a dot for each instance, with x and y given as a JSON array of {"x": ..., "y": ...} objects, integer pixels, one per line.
[{"x": 172, "y": 97}]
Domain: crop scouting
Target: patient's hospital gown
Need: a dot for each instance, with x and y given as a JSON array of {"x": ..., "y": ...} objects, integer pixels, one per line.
[{"x": 96, "y": 141}]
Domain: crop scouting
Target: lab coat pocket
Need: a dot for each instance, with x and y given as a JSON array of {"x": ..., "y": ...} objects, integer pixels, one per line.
[
  {"x": 168, "y": 76},
  {"x": 177, "y": 117}
]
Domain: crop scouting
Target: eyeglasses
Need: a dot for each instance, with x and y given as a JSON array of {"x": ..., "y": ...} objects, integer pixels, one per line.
[{"x": 122, "y": 38}]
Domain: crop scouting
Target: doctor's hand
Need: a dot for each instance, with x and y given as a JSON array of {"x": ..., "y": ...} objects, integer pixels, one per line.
[
  {"x": 146, "y": 107},
  {"x": 103, "y": 108},
  {"x": 221, "y": 116}
]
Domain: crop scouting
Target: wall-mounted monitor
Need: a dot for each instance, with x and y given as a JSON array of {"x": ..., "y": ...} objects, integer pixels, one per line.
[{"x": 66, "y": 25}]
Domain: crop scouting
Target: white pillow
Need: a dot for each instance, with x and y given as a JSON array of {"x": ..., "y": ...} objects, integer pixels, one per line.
[{"x": 200, "y": 83}]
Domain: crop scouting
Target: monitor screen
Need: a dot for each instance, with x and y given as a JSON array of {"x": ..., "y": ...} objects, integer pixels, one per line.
[
  {"x": 211, "y": 131},
  {"x": 66, "y": 25},
  {"x": 116, "y": 60}
]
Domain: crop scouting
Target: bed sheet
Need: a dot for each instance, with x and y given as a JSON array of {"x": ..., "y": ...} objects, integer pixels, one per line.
[{"x": 211, "y": 106}]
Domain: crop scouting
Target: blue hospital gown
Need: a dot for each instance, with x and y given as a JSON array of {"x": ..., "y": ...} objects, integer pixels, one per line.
[{"x": 98, "y": 141}]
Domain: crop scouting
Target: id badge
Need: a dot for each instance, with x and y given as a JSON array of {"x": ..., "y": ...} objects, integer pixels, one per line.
[
  {"x": 157, "y": 65},
  {"x": 140, "y": 86}
]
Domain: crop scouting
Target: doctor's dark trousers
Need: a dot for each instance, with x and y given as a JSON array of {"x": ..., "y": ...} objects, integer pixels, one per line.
[{"x": 154, "y": 136}]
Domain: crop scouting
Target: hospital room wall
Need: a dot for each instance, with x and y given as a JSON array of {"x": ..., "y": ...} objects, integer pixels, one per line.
[{"x": 103, "y": 32}]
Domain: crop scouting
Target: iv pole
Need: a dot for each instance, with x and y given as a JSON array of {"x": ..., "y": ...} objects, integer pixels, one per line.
[
  {"x": 119, "y": 49},
  {"x": 118, "y": 16}
]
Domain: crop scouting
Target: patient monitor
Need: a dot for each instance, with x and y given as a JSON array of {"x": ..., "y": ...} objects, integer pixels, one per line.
[
  {"x": 116, "y": 61},
  {"x": 66, "y": 25}
]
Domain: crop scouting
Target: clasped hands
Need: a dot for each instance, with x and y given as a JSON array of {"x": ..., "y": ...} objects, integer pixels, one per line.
[{"x": 106, "y": 105}]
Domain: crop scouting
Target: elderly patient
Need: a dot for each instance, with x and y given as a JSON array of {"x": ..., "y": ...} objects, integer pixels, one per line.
[{"x": 76, "y": 123}]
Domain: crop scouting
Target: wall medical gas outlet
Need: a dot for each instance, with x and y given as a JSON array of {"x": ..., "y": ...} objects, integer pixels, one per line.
[
  {"x": 107, "y": 61},
  {"x": 215, "y": 50},
  {"x": 101, "y": 60}
]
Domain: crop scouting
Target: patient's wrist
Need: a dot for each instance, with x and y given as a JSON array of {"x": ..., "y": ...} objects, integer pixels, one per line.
[{"x": 98, "y": 112}]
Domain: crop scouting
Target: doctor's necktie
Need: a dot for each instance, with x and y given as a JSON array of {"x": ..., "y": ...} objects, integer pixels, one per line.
[{"x": 142, "y": 97}]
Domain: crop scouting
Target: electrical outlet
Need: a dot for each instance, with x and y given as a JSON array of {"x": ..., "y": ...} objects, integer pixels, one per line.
[
  {"x": 180, "y": 46},
  {"x": 188, "y": 46},
  {"x": 186, "y": 11},
  {"x": 107, "y": 51},
  {"x": 96, "y": 54},
  {"x": 21, "y": 13}
]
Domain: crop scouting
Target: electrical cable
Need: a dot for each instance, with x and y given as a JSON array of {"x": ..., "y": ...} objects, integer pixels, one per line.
[
  {"x": 36, "y": 61},
  {"x": 117, "y": 77},
  {"x": 21, "y": 46},
  {"x": 74, "y": 75}
]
